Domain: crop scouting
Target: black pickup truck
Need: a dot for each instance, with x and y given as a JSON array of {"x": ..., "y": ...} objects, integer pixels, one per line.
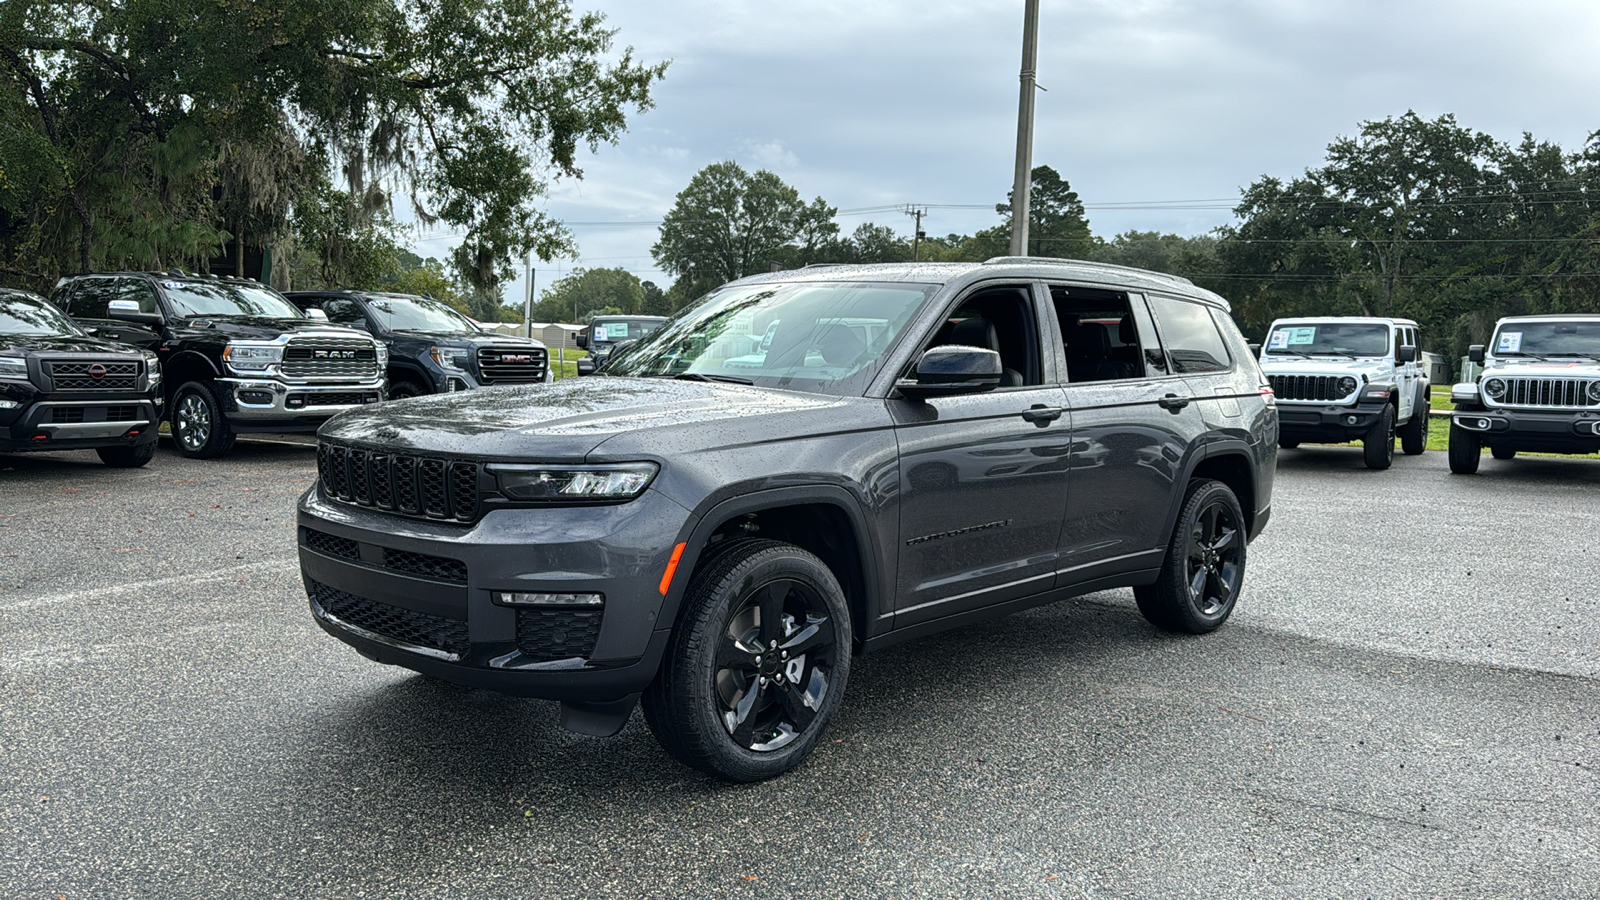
[
  {"x": 432, "y": 348},
  {"x": 236, "y": 356},
  {"x": 61, "y": 389}
]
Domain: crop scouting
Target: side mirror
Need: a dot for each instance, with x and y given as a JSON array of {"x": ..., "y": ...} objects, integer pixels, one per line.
[
  {"x": 1408, "y": 353},
  {"x": 316, "y": 314},
  {"x": 583, "y": 341},
  {"x": 1475, "y": 354},
  {"x": 128, "y": 311},
  {"x": 953, "y": 369}
]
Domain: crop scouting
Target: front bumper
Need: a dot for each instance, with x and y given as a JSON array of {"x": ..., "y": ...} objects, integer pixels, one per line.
[
  {"x": 264, "y": 404},
  {"x": 1321, "y": 424},
  {"x": 83, "y": 424},
  {"x": 1533, "y": 431},
  {"x": 419, "y": 593}
]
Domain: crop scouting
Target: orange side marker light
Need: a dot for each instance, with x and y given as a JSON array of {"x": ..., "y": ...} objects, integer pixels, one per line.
[{"x": 672, "y": 566}]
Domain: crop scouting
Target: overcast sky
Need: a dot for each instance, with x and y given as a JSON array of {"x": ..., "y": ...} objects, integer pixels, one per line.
[{"x": 1170, "y": 106}]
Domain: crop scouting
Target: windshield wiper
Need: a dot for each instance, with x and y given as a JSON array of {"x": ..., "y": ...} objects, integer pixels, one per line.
[{"x": 701, "y": 376}]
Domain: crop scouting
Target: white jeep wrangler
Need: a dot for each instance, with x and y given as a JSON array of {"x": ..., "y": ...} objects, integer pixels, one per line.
[
  {"x": 1340, "y": 378},
  {"x": 1539, "y": 391}
]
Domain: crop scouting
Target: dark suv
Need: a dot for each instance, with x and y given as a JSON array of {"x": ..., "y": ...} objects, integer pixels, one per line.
[
  {"x": 432, "y": 348},
  {"x": 235, "y": 355},
  {"x": 61, "y": 389},
  {"x": 898, "y": 450},
  {"x": 604, "y": 334}
]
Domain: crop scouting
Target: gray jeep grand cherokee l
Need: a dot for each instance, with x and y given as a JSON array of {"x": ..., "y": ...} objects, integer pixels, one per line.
[{"x": 901, "y": 449}]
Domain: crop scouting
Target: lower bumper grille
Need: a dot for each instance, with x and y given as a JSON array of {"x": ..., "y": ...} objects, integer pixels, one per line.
[
  {"x": 546, "y": 635},
  {"x": 395, "y": 623}
]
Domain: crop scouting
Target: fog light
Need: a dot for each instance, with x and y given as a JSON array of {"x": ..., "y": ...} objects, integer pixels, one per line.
[
  {"x": 10, "y": 404},
  {"x": 1351, "y": 420},
  {"x": 522, "y": 598}
]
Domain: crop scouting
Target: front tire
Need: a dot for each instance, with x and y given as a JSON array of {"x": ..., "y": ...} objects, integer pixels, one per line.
[
  {"x": 1203, "y": 572},
  {"x": 1414, "y": 434},
  {"x": 1378, "y": 446},
  {"x": 757, "y": 666},
  {"x": 1465, "y": 450},
  {"x": 199, "y": 429},
  {"x": 127, "y": 457}
]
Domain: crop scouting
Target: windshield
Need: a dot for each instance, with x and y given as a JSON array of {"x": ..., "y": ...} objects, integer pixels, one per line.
[
  {"x": 202, "y": 298},
  {"x": 610, "y": 331},
  {"x": 1548, "y": 339},
  {"x": 1329, "y": 339},
  {"x": 825, "y": 338},
  {"x": 404, "y": 312},
  {"x": 27, "y": 314}
]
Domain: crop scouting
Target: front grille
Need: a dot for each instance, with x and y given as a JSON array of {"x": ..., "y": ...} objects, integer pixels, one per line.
[
  {"x": 93, "y": 375},
  {"x": 1563, "y": 393},
  {"x": 551, "y": 634},
  {"x": 498, "y": 365},
  {"x": 404, "y": 625},
  {"x": 66, "y": 415},
  {"x": 330, "y": 398},
  {"x": 332, "y": 545},
  {"x": 422, "y": 486},
  {"x": 122, "y": 413},
  {"x": 327, "y": 357},
  {"x": 1306, "y": 387},
  {"x": 437, "y": 568}
]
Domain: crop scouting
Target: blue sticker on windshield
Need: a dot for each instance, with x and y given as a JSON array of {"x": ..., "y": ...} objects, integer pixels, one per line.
[{"x": 1303, "y": 335}]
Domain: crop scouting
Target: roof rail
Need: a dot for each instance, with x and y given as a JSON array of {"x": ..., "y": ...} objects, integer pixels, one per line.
[{"x": 1002, "y": 260}]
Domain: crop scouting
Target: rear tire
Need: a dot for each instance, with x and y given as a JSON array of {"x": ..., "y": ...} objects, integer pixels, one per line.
[
  {"x": 1414, "y": 434},
  {"x": 1497, "y": 453},
  {"x": 1288, "y": 445},
  {"x": 757, "y": 664},
  {"x": 1203, "y": 572},
  {"x": 127, "y": 457},
  {"x": 199, "y": 429},
  {"x": 1465, "y": 449},
  {"x": 1378, "y": 446}
]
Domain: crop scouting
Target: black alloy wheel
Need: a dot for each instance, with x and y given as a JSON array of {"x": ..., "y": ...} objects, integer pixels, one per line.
[
  {"x": 199, "y": 429},
  {"x": 1203, "y": 572},
  {"x": 757, "y": 666}
]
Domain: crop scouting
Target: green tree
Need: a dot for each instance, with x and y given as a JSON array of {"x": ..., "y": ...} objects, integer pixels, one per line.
[
  {"x": 579, "y": 295},
  {"x": 729, "y": 223},
  {"x": 1057, "y": 223}
]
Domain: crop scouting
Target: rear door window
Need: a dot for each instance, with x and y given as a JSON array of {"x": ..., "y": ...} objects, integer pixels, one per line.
[{"x": 1193, "y": 342}]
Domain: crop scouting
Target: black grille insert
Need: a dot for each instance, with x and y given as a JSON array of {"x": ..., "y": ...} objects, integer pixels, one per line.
[
  {"x": 415, "y": 486},
  {"x": 1306, "y": 387},
  {"x": 551, "y": 634},
  {"x": 93, "y": 375},
  {"x": 437, "y": 568},
  {"x": 332, "y": 545},
  {"x": 403, "y": 625}
]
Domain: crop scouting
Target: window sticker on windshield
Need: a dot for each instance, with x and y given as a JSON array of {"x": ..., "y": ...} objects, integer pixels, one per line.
[
  {"x": 1303, "y": 335},
  {"x": 616, "y": 331},
  {"x": 1510, "y": 342},
  {"x": 600, "y": 333},
  {"x": 1279, "y": 339}
]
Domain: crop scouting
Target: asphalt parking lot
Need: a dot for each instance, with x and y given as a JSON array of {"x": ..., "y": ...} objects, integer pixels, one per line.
[{"x": 1407, "y": 703}]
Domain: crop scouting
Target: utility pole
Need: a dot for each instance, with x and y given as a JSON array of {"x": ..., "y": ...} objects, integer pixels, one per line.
[
  {"x": 1023, "y": 184},
  {"x": 527, "y": 304},
  {"x": 916, "y": 239}
]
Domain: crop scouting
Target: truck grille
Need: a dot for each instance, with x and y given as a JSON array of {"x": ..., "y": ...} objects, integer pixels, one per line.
[
  {"x": 1306, "y": 387},
  {"x": 396, "y": 623},
  {"x": 327, "y": 357},
  {"x": 1564, "y": 393},
  {"x": 94, "y": 375},
  {"x": 551, "y": 634},
  {"x": 421, "y": 486},
  {"x": 500, "y": 365}
]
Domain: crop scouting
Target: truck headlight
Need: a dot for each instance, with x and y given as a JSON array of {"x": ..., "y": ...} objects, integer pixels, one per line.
[
  {"x": 252, "y": 357},
  {"x": 1495, "y": 388},
  {"x": 152, "y": 365},
  {"x": 12, "y": 367},
  {"x": 1347, "y": 386},
  {"x": 622, "y": 481},
  {"x": 383, "y": 354},
  {"x": 449, "y": 357}
]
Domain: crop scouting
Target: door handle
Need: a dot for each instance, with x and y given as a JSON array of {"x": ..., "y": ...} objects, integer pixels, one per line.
[
  {"x": 1042, "y": 415},
  {"x": 1173, "y": 403}
]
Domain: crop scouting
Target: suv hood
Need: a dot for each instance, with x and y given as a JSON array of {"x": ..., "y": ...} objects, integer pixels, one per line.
[
  {"x": 68, "y": 343},
  {"x": 1529, "y": 368},
  {"x": 571, "y": 418},
  {"x": 1375, "y": 368}
]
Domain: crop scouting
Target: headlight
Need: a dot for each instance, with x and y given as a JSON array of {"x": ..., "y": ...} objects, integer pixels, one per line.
[
  {"x": 449, "y": 357},
  {"x": 152, "y": 365},
  {"x": 1347, "y": 386},
  {"x": 11, "y": 367},
  {"x": 252, "y": 357},
  {"x": 1594, "y": 392},
  {"x": 1495, "y": 389},
  {"x": 383, "y": 353},
  {"x": 623, "y": 481}
]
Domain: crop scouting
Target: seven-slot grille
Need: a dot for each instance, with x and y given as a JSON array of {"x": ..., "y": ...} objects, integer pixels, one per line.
[
  {"x": 1570, "y": 393},
  {"x": 511, "y": 365},
  {"x": 94, "y": 375},
  {"x": 330, "y": 357},
  {"x": 420, "y": 486},
  {"x": 1306, "y": 387}
]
